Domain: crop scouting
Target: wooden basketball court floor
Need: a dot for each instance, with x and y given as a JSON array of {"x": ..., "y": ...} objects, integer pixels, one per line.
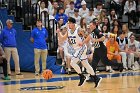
[{"x": 125, "y": 82}]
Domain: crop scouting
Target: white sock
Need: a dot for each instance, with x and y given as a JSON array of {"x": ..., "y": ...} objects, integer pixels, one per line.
[{"x": 69, "y": 69}]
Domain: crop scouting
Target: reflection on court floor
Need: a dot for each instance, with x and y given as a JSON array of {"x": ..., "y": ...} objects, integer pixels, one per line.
[{"x": 111, "y": 83}]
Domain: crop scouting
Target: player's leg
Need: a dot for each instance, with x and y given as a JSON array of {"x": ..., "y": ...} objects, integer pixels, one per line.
[
  {"x": 68, "y": 60},
  {"x": 44, "y": 54},
  {"x": 61, "y": 51},
  {"x": 78, "y": 70},
  {"x": 37, "y": 54}
]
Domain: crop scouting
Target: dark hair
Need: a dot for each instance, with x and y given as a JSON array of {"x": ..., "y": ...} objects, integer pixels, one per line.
[
  {"x": 132, "y": 34},
  {"x": 98, "y": 4},
  {"x": 120, "y": 33},
  {"x": 106, "y": 29},
  {"x": 72, "y": 20},
  {"x": 93, "y": 22},
  {"x": 39, "y": 20},
  {"x": 71, "y": 2}
]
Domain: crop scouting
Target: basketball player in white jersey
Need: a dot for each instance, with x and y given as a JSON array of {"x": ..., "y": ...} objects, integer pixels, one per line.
[
  {"x": 63, "y": 47},
  {"x": 62, "y": 32},
  {"x": 75, "y": 36}
]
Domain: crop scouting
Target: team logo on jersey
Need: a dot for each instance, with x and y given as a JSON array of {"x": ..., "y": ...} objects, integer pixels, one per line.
[{"x": 41, "y": 88}]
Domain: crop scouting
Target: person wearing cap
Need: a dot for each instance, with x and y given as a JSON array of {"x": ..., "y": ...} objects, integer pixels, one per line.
[
  {"x": 61, "y": 14},
  {"x": 75, "y": 35},
  {"x": 8, "y": 39},
  {"x": 70, "y": 11},
  {"x": 90, "y": 16},
  {"x": 84, "y": 9},
  {"x": 76, "y": 16},
  {"x": 39, "y": 35}
]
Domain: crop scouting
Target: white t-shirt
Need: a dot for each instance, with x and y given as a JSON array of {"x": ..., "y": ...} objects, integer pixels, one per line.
[
  {"x": 89, "y": 18},
  {"x": 97, "y": 12},
  {"x": 69, "y": 12},
  {"x": 77, "y": 19},
  {"x": 82, "y": 12},
  {"x": 133, "y": 45}
]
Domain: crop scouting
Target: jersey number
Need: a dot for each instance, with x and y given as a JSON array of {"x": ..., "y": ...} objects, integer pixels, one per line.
[{"x": 73, "y": 41}]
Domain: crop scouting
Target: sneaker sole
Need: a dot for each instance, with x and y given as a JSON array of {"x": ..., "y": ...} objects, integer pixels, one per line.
[
  {"x": 99, "y": 82},
  {"x": 83, "y": 82}
]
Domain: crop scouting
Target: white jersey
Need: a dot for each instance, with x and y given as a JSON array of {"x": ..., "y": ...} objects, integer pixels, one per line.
[{"x": 74, "y": 38}]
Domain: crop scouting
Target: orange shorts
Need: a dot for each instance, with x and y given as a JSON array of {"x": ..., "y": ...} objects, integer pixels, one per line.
[{"x": 117, "y": 57}]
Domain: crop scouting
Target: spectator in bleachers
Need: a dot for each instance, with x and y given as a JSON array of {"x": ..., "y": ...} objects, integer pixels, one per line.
[
  {"x": 126, "y": 30},
  {"x": 3, "y": 63},
  {"x": 60, "y": 22},
  {"x": 50, "y": 8},
  {"x": 39, "y": 35},
  {"x": 97, "y": 23},
  {"x": 104, "y": 29},
  {"x": 112, "y": 51},
  {"x": 8, "y": 38},
  {"x": 117, "y": 5},
  {"x": 61, "y": 14},
  {"x": 77, "y": 4},
  {"x": 102, "y": 16},
  {"x": 70, "y": 11},
  {"x": 116, "y": 22},
  {"x": 107, "y": 23},
  {"x": 76, "y": 16},
  {"x": 61, "y": 42},
  {"x": 41, "y": 8},
  {"x": 115, "y": 30},
  {"x": 98, "y": 8},
  {"x": 90, "y": 16},
  {"x": 55, "y": 8},
  {"x": 83, "y": 24},
  {"x": 84, "y": 9},
  {"x": 133, "y": 48},
  {"x": 130, "y": 10},
  {"x": 112, "y": 16},
  {"x": 123, "y": 45},
  {"x": 123, "y": 48}
]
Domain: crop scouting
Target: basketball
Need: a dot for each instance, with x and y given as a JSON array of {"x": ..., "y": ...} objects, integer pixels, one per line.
[{"x": 47, "y": 74}]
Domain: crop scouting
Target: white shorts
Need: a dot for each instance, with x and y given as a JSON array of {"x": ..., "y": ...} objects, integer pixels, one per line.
[{"x": 81, "y": 53}]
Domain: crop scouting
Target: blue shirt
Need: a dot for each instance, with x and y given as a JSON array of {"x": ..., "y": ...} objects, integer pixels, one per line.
[
  {"x": 64, "y": 16},
  {"x": 8, "y": 37},
  {"x": 39, "y": 37}
]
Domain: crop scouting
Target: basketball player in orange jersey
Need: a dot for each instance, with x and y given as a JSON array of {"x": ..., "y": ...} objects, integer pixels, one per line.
[{"x": 75, "y": 35}]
